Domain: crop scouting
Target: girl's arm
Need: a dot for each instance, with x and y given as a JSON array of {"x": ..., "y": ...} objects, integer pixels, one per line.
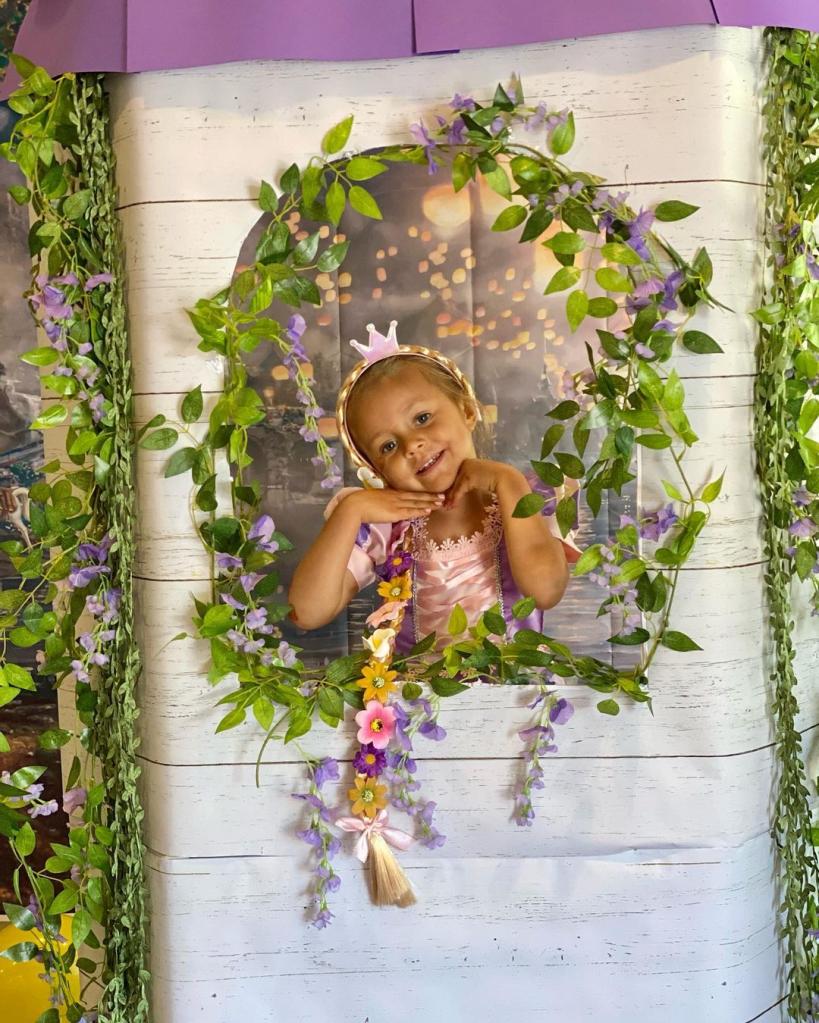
[
  {"x": 322, "y": 584},
  {"x": 536, "y": 556}
]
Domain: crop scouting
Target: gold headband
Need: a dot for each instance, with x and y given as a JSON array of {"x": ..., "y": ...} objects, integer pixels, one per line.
[{"x": 358, "y": 458}]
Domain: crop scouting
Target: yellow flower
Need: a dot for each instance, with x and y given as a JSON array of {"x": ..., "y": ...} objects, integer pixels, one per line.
[
  {"x": 377, "y": 682},
  {"x": 381, "y": 643},
  {"x": 368, "y": 797},
  {"x": 397, "y": 588}
]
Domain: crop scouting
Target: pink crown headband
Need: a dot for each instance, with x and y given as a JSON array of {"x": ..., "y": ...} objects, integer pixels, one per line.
[{"x": 382, "y": 347}]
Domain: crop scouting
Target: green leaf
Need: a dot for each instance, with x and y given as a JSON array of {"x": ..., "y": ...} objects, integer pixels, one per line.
[
  {"x": 577, "y": 305},
  {"x": 20, "y": 194},
  {"x": 462, "y": 167},
  {"x": 672, "y": 491},
  {"x": 53, "y": 738},
  {"x": 305, "y": 252},
  {"x": 657, "y": 441},
  {"x": 218, "y": 619},
  {"x": 331, "y": 701},
  {"x": 23, "y": 952},
  {"x": 290, "y": 180},
  {"x": 805, "y": 559},
  {"x": 678, "y": 641},
  {"x": 539, "y": 219},
  {"x": 528, "y": 505},
  {"x": 411, "y": 691},
  {"x": 711, "y": 491},
  {"x": 80, "y": 927},
  {"x": 443, "y": 686},
  {"x": 609, "y": 707},
  {"x": 561, "y": 139},
  {"x": 363, "y": 202},
  {"x": 509, "y": 218},
  {"x": 65, "y": 901},
  {"x": 565, "y": 410},
  {"x": 232, "y": 719},
  {"x": 74, "y": 206},
  {"x": 589, "y": 559},
  {"x": 617, "y": 252},
  {"x": 23, "y": 919},
  {"x": 181, "y": 461},
  {"x": 17, "y": 676},
  {"x": 565, "y": 242},
  {"x": 160, "y": 440},
  {"x": 524, "y": 607},
  {"x": 673, "y": 210},
  {"x": 458, "y": 622},
  {"x": 52, "y": 416},
  {"x": 336, "y": 138},
  {"x": 570, "y": 465},
  {"x": 40, "y": 356},
  {"x": 566, "y": 277},
  {"x": 25, "y": 840},
  {"x": 499, "y": 182},
  {"x": 362, "y": 168},
  {"x": 300, "y": 724},
  {"x": 602, "y": 307},
  {"x": 702, "y": 344},
  {"x": 612, "y": 280},
  {"x": 332, "y": 257},
  {"x": 550, "y": 439},
  {"x": 192, "y": 405},
  {"x": 566, "y": 514},
  {"x": 635, "y": 638}
]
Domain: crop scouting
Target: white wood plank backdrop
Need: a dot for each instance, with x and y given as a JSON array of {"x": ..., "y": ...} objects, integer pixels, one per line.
[{"x": 645, "y": 888}]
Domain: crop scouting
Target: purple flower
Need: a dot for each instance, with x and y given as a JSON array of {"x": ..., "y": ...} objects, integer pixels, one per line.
[
  {"x": 96, "y": 279},
  {"x": 286, "y": 654},
  {"x": 459, "y": 102},
  {"x": 261, "y": 531},
  {"x": 227, "y": 562},
  {"x": 322, "y": 919},
  {"x": 256, "y": 617},
  {"x": 78, "y": 578},
  {"x": 249, "y": 580},
  {"x": 638, "y": 228},
  {"x": 561, "y": 712},
  {"x": 397, "y": 564},
  {"x": 645, "y": 288},
  {"x": 309, "y": 433},
  {"x": 537, "y": 119},
  {"x": 296, "y": 326},
  {"x": 79, "y": 670},
  {"x": 312, "y": 836},
  {"x": 233, "y": 602},
  {"x": 802, "y": 498},
  {"x": 44, "y": 810},
  {"x": 671, "y": 286},
  {"x": 803, "y": 527},
  {"x": 644, "y": 350},
  {"x": 74, "y": 798},
  {"x": 421, "y": 136},
  {"x": 96, "y": 406},
  {"x": 325, "y": 770},
  {"x": 363, "y": 765},
  {"x": 53, "y": 303},
  {"x": 457, "y": 133},
  {"x": 236, "y": 639},
  {"x": 432, "y": 730}
]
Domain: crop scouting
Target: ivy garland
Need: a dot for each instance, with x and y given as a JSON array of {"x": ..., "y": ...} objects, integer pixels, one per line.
[
  {"x": 786, "y": 408},
  {"x": 627, "y": 397},
  {"x": 78, "y": 557}
]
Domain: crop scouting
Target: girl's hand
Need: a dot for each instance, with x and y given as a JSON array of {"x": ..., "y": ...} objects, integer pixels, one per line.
[
  {"x": 387, "y": 505},
  {"x": 478, "y": 474}
]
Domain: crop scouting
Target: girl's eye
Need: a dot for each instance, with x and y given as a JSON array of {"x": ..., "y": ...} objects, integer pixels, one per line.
[
  {"x": 423, "y": 415},
  {"x": 384, "y": 448}
]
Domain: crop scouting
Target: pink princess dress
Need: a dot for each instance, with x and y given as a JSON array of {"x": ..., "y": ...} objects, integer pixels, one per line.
[{"x": 472, "y": 571}]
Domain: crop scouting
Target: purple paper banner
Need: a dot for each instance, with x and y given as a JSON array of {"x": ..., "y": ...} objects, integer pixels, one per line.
[{"x": 141, "y": 35}]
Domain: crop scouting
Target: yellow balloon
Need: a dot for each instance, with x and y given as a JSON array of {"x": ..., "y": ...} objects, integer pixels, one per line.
[{"x": 22, "y": 994}]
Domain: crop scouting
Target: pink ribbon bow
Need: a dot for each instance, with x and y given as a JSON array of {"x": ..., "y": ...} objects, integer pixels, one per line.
[{"x": 378, "y": 826}]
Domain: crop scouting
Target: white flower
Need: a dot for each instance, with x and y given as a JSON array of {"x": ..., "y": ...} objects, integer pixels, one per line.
[
  {"x": 381, "y": 643},
  {"x": 369, "y": 478}
]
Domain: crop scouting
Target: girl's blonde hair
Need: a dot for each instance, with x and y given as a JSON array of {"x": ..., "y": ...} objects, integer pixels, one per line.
[{"x": 439, "y": 377}]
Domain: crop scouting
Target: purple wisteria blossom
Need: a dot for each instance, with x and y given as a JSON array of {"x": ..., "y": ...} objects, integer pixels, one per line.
[
  {"x": 74, "y": 798},
  {"x": 323, "y": 843},
  {"x": 227, "y": 562},
  {"x": 96, "y": 279},
  {"x": 804, "y": 528},
  {"x": 420, "y": 135},
  {"x": 459, "y": 102},
  {"x": 261, "y": 533},
  {"x": 81, "y": 575},
  {"x": 638, "y": 229},
  {"x": 400, "y": 770}
]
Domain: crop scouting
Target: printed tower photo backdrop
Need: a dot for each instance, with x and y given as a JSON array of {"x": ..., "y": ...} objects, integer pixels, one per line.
[{"x": 647, "y": 878}]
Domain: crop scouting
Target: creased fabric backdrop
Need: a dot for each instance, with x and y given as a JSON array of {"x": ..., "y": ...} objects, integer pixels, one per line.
[{"x": 115, "y": 35}]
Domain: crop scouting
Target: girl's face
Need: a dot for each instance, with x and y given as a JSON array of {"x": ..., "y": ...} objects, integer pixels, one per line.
[{"x": 413, "y": 433}]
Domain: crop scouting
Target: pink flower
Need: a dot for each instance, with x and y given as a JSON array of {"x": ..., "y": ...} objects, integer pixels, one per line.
[
  {"x": 376, "y": 724},
  {"x": 386, "y": 613}
]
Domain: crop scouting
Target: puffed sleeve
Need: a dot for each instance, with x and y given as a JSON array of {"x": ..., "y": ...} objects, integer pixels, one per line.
[{"x": 370, "y": 547}]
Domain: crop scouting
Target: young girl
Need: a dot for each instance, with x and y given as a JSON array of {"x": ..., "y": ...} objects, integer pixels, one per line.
[{"x": 407, "y": 417}]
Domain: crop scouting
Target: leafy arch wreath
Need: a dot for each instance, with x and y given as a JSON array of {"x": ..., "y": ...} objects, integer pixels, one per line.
[{"x": 626, "y": 392}]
